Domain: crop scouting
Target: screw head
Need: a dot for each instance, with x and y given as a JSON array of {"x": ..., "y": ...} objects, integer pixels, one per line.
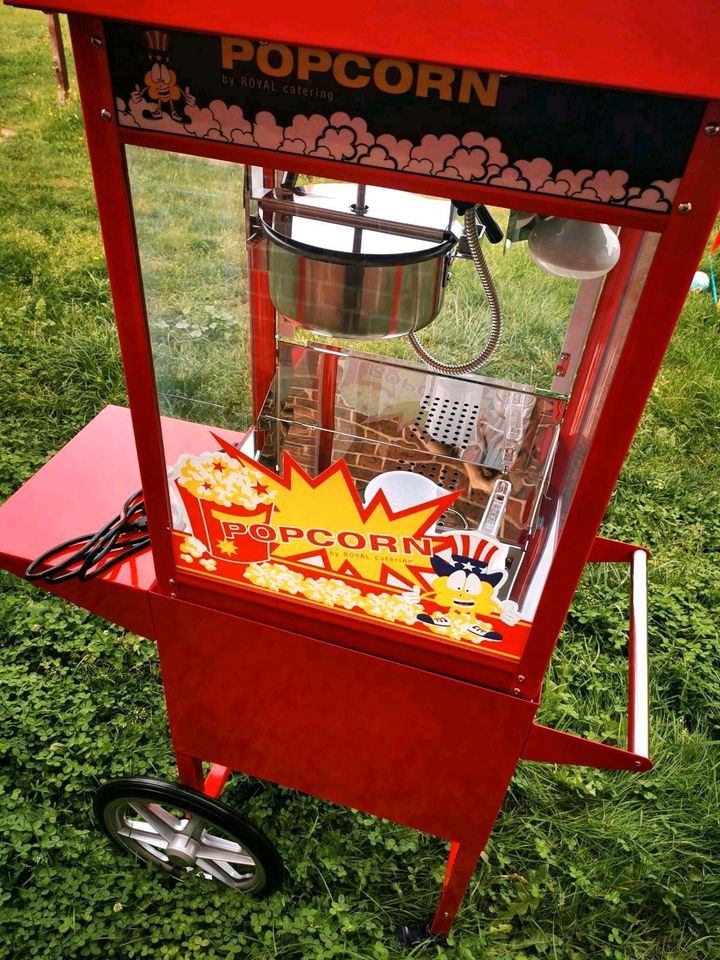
[
  {"x": 712, "y": 130},
  {"x": 516, "y": 691},
  {"x": 684, "y": 209},
  {"x": 105, "y": 115},
  {"x": 638, "y": 764},
  {"x": 521, "y": 678},
  {"x": 95, "y": 41}
]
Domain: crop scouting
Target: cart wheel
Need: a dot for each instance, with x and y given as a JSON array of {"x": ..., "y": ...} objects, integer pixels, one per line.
[
  {"x": 184, "y": 832},
  {"x": 414, "y": 934}
]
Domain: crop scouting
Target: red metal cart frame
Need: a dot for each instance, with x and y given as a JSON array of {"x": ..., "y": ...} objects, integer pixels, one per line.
[{"x": 414, "y": 753}]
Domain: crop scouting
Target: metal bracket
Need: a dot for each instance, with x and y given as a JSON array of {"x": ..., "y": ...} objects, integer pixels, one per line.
[{"x": 563, "y": 363}]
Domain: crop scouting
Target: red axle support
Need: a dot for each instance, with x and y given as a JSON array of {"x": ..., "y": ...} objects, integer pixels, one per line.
[
  {"x": 215, "y": 780},
  {"x": 546, "y": 745},
  {"x": 190, "y": 771}
]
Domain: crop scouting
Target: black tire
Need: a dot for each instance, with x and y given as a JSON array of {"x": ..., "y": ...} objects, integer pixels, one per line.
[{"x": 113, "y": 801}]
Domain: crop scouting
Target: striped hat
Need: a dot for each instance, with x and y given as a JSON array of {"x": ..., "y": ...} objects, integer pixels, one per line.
[
  {"x": 157, "y": 43},
  {"x": 471, "y": 551}
]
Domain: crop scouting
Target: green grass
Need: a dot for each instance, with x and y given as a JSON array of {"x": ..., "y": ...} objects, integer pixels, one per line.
[{"x": 582, "y": 864}]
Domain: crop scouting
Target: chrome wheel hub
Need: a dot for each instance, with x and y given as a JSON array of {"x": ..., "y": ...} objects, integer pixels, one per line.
[{"x": 183, "y": 843}]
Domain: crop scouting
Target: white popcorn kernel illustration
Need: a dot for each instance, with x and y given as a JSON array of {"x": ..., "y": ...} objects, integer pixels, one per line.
[
  {"x": 193, "y": 548},
  {"x": 219, "y": 478},
  {"x": 391, "y": 607}
]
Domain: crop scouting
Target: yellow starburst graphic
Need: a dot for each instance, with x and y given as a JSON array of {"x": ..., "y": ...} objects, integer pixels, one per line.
[
  {"x": 350, "y": 537},
  {"x": 323, "y": 522},
  {"x": 227, "y": 547}
]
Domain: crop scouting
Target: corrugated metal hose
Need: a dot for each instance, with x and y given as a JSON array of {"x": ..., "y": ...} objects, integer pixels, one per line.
[{"x": 496, "y": 320}]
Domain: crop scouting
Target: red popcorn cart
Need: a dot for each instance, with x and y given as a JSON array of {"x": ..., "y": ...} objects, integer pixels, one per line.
[{"x": 371, "y": 469}]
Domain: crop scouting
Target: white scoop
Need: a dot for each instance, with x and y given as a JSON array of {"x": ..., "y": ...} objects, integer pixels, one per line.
[{"x": 403, "y": 489}]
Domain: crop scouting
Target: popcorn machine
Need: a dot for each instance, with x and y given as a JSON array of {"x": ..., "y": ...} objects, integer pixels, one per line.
[{"x": 373, "y": 463}]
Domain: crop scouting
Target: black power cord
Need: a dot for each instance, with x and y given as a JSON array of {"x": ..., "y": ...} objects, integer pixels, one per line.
[{"x": 119, "y": 539}]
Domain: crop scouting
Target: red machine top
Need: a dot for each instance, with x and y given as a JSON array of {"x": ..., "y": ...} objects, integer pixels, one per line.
[{"x": 663, "y": 47}]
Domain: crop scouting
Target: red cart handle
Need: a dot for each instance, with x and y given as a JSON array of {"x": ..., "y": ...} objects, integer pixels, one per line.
[
  {"x": 546, "y": 745},
  {"x": 638, "y": 706}
]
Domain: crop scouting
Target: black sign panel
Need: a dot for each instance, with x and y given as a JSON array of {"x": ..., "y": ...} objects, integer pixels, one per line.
[{"x": 614, "y": 147}]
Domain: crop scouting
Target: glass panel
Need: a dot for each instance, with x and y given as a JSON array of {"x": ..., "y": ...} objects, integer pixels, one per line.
[
  {"x": 418, "y": 472},
  {"x": 536, "y": 311},
  {"x": 612, "y": 348},
  {"x": 491, "y": 441},
  {"x": 190, "y": 227}
]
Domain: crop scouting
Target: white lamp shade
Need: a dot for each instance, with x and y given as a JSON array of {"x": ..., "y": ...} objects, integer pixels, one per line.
[{"x": 574, "y": 248}]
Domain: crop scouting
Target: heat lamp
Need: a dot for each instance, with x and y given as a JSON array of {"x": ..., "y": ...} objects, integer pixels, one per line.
[{"x": 577, "y": 249}]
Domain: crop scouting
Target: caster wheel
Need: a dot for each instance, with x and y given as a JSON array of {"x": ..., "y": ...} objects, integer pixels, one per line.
[
  {"x": 414, "y": 934},
  {"x": 184, "y": 832}
]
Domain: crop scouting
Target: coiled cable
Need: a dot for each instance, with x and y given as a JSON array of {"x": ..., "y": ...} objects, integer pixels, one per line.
[
  {"x": 120, "y": 538},
  {"x": 496, "y": 320}
]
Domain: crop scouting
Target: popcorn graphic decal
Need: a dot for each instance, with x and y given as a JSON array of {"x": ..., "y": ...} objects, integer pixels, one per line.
[
  {"x": 222, "y": 497},
  {"x": 313, "y": 541},
  {"x": 452, "y": 123}
]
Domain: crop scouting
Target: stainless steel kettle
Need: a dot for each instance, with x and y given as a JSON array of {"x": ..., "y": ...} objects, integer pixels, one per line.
[{"x": 360, "y": 277}]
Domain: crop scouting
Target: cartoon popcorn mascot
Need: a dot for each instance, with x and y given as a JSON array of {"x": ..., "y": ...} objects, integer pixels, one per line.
[
  {"x": 470, "y": 568},
  {"x": 161, "y": 84}
]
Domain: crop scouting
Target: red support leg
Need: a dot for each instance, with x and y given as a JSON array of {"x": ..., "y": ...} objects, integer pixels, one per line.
[
  {"x": 461, "y": 864},
  {"x": 190, "y": 771},
  {"x": 216, "y": 780}
]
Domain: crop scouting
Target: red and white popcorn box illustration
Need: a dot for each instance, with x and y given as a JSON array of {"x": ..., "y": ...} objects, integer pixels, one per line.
[{"x": 229, "y": 505}]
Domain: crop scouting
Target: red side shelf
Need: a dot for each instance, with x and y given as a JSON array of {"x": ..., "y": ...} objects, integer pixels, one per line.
[{"x": 77, "y": 492}]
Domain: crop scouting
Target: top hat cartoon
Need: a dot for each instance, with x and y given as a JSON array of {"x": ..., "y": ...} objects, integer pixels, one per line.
[
  {"x": 157, "y": 43},
  {"x": 469, "y": 552}
]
